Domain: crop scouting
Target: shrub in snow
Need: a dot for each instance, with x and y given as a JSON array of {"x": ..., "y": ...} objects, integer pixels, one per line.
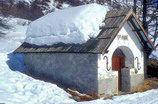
[
  {"x": 73, "y": 25},
  {"x": 3, "y": 26},
  {"x": 152, "y": 68}
]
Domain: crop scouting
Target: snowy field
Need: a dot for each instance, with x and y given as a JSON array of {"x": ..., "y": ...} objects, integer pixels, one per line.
[{"x": 17, "y": 88}]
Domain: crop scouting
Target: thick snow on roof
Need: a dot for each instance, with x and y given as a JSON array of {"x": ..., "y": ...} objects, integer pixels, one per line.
[{"x": 72, "y": 25}]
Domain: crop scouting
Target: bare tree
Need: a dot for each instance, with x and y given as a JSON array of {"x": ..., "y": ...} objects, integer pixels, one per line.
[{"x": 152, "y": 24}]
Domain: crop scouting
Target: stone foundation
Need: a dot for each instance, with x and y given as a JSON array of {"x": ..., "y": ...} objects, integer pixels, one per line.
[
  {"x": 136, "y": 80},
  {"x": 108, "y": 86},
  {"x": 131, "y": 81}
]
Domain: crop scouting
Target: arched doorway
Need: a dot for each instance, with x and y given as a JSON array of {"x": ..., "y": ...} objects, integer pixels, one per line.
[{"x": 122, "y": 58}]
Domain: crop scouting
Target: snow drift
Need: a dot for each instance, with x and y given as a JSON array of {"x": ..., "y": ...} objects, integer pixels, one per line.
[
  {"x": 16, "y": 87},
  {"x": 73, "y": 25}
]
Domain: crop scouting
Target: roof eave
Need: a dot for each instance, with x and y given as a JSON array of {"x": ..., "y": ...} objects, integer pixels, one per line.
[
  {"x": 119, "y": 28},
  {"x": 145, "y": 33}
]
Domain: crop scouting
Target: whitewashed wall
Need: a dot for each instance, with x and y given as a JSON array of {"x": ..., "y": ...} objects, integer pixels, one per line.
[{"x": 132, "y": 43}]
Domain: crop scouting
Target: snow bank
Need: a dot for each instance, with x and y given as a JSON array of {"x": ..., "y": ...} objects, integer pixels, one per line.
[
  {"x": 15, "y": 35},
  {"x": 154, "y": 54},
  {"x": 28, "y": 1},
  {"x": 17, "y": 88},
  {"x": 147, "y": 97},
  {"x": 73, "y": 25}
]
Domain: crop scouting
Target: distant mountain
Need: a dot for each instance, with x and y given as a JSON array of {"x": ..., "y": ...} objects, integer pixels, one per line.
[
  {"x": 27, "y": 9},
  {"x": 33, "y": 9}
]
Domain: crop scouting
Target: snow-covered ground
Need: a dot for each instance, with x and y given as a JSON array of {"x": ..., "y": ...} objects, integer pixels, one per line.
[
  {"x": 45, "y": 5},
  {"x": 15, "y": 36},
  {"x": 148, "y": 97},
  {"x": 18, "y": 88},
  {"x": 155, "y": 53}
]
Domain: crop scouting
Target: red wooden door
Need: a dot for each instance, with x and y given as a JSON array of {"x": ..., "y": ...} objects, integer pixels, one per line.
[{"x": 118, "y": 62}]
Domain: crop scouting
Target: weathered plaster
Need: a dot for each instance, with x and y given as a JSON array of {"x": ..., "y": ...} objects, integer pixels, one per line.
[
  {"x": 88, "y": 73},
  {"x": 76, "y": 71},
  {"x": 108, "y": 86},
  {"x": 131, "y": 80},
  {"x": 130, "y": 46}
]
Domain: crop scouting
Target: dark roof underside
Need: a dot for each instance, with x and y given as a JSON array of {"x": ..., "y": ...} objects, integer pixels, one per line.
[{"x": 114, "y": 21}]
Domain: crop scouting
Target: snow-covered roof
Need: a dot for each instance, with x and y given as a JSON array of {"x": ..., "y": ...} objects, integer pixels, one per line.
[
  {"x": 72, "y": 25},
  {"x": 115, "y": 20}
]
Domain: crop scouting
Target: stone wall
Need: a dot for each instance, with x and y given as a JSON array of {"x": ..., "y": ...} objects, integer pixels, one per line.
[
  {"x": 79, "y": 72},
  {"x": 108, "y": 86},
  {"x": 126, "y": 82},
  {"x": 131, "y": 81},
  {"x": 76, "y": 71},
  {"x": 136, "y": 80}
]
